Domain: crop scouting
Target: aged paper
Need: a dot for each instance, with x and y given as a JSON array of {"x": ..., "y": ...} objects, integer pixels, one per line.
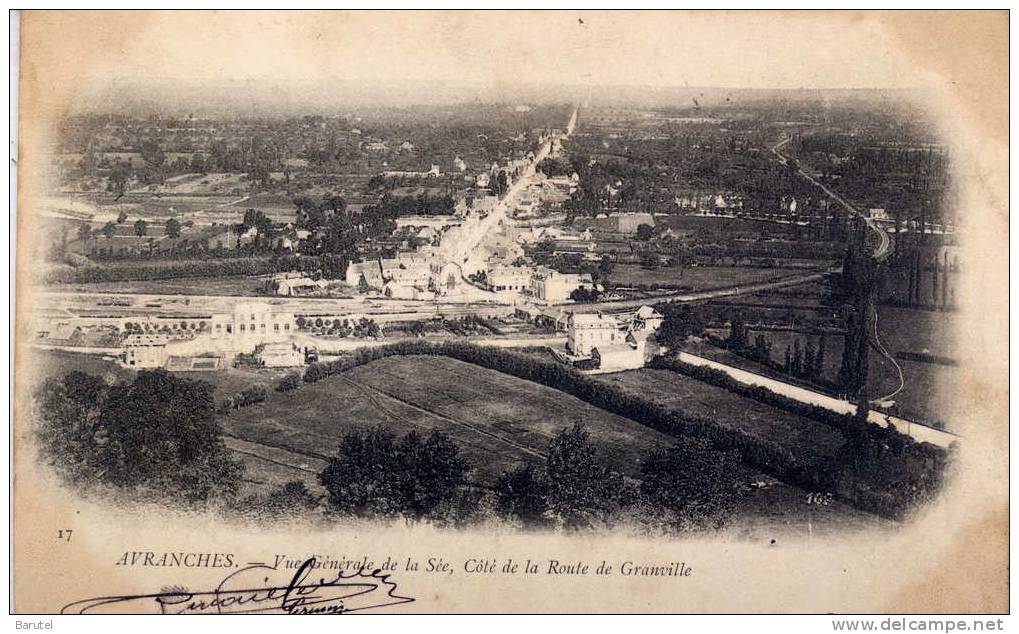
[{"x": 511, "y": 312}]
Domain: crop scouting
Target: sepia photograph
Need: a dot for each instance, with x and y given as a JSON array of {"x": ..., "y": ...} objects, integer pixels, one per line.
[{"x": 338, "y": 312}]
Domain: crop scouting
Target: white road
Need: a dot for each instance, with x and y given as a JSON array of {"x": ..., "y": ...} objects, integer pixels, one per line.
[
  {"x": 917, "y": 431},
  {"x": 881, "y": 252}
]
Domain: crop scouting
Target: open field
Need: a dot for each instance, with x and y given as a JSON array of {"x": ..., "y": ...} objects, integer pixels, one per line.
[
  {"x": 695, "y": 277},
  {"x": 57, "y": 363},
  {"x": 498, "y": 420},
  {"x": 807, "y": 439},
  {"x": 235, "y": 285}
]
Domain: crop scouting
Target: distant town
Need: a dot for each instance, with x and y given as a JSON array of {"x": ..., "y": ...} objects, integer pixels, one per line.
[{"x": 773, "y": 277}]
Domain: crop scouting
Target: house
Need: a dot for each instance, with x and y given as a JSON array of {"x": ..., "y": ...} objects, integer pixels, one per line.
[
  {"x": 631, "y": 354},
  {"x": 295, "y": 286},
  {"x": 627, "y": 223},
  {"x": 145, "y": 351},
  {"x": 646, "y": 320},
  {"x": 438, "y": 222},
  {"x": 283, "y": 354},
  {"x": 587, "y": 331},
  {"x": 552, "y": 286},
  {"x": 414, "y": 275},
  {"x": 502, "y": 279},
  {"x": 485, "y": 204},
  {"x": 370, "y": 270}
]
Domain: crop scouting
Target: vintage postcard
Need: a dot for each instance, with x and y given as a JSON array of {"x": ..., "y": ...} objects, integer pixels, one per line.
[{"x": 513, "y": 311}]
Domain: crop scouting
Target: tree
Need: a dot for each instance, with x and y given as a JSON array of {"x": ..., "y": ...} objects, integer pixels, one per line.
[
  {"x": 431, "y": 471},
  {"x": 373, "y": 474},
  {"x": 362, "y": 479},
  {"x": 762, "y": 349},
  {"x": 84, "y": 232},
  {"x": 173, "y": 228},
  {"x": 117, "y": 182},
  {"x": 121, "y": 217},
  {"x": 522, "y": 495},
  {"x": 157, "y": 433},
  {"x": 141, "y": 227},
  {"x": 582, "y": 492},
  {"x": 696, "y": 484},
  {"x": 738, "y": 335},
  {"x": 645, "y": 232},
  {"x": 152, "y": 154},
  {"x": 109, "y": 230},
  {"x": 680, "y": 321},
  {"x": 797, "y": 358},
  {"x": 819, "y": 359},
  {"x": 651, "y": 260}
]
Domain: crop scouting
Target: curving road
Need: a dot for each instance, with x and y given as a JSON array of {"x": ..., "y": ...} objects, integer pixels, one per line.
[
  {"x": 881, "y": 252},
  {"x": 884, "y": 246}
]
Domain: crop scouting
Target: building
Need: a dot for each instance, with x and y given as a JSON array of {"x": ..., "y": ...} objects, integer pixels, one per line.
[
  {"x": 438, "y": 222},
  {"x": 587, "y": 331},
  {"x": 289, "y": 285},
  {"x": 552, "y": 286},
  {"x": 880, "y": 215},
  {"x": 631, "y": 354},
  {"x": 503, "y": 279},
  {"x": 646, "y": 320},
  {"x": 627, "y": 223},
  {"x": 282, "y": 354},
  {"x": 370, "y": 270},
  {"x": 145, "y": 351},
  {"x": 249, "y": 325}
]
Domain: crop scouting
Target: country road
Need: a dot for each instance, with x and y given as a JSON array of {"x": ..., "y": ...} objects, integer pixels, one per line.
[
  {"x": 881, "y": 252},
  {"x": 917, "y": 431},
  {"x": 884, "y": 246},
  {"x": 678, "y": 297}
]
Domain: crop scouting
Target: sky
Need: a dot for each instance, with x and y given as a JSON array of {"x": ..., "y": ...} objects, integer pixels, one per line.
[
  {"x": 325, "y": 57},
  {"x": 654, "y": 49}
]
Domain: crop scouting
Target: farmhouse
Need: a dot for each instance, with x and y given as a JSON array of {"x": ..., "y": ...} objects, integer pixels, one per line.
[
  {"x": 550, "y": 285},
  {"x": 584, "y": 332}
]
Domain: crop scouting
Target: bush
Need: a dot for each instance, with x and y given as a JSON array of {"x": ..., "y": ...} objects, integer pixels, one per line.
[
  {"x": 250, "y": 396},
  {"x": 289, "y": 383}
]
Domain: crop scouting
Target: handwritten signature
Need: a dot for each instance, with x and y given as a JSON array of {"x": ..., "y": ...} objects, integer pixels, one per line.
[{"x": 249, "y": 591}]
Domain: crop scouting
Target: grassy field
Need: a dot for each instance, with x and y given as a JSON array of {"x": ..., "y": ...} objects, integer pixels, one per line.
[
  {"x": 239, "y": 285},
  {"x": 498, "y": 420},
  {"x": 695, "y": 277},
  {"x": 806, "y": 438},
  {"x": 57, "y": 363}
]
